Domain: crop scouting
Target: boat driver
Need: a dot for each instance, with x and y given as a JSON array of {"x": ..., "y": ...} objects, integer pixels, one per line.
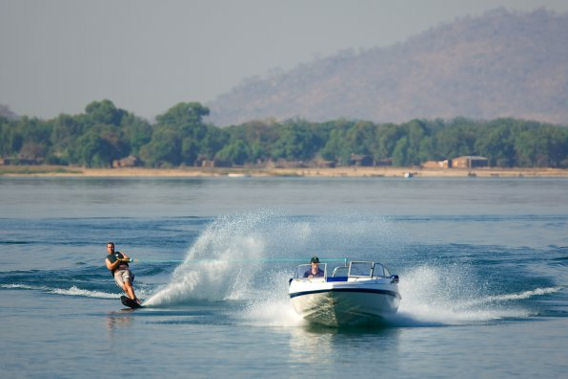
[{"x": 314, "y": 271}]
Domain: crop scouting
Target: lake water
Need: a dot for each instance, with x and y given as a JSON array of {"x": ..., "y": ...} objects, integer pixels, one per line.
[{"x": 483, "y": 266}]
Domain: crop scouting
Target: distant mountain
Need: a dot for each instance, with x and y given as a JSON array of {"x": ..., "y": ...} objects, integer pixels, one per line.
[
  {"x": 500, "y": 64},
  {"x": 6, "y": 112}
]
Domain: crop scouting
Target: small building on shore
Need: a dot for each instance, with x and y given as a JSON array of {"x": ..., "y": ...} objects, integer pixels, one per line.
[
  {"x": 470, "y": 161},
  {"x": 360, "y": 160},
  {"x": 207, "y": 163},
  {"x": 322, "y": 163},
  {"x": 204, "y": 162},
  {"x": 129, "y": 161},
  {"x": 283, "y": 163},
  {"x": 446, "y": 163},
  {"x": 21, "y": 161}
]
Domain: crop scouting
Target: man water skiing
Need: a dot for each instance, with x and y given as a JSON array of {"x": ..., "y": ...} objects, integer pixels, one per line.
[{"x": 117, "y": 263}]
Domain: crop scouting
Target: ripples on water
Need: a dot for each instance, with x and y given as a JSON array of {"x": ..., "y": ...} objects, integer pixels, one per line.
[{"x": 485, "y": 265}]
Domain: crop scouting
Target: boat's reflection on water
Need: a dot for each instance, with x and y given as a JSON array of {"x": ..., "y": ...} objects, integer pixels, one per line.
[{"x": 320, "y": 344}]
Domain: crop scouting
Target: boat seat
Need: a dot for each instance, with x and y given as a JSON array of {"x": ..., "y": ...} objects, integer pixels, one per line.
[{"x": 336, "y": 279}]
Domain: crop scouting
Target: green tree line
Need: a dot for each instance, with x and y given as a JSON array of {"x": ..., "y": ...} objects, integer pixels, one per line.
[{"x": 180, "y": 136}]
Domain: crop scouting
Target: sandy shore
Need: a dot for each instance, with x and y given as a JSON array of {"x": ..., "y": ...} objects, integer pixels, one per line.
[{"x": 49, "y": 171}]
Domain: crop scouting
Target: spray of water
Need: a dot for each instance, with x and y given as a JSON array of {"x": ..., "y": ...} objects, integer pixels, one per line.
[
  {"x": 271, "y": 306},
  {"x": 208, "y": 272},
  {"x": 452, "y": 296},
  {"x": 231, "y": 257},
  {"x": 231, "y": 260}
]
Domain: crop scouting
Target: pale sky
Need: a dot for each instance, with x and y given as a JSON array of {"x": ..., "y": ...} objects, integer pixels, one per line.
[{"x": 146, "y": 56}]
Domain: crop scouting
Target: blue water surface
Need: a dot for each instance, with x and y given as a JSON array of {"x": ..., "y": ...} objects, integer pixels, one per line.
[{"x": 482, "y": 264}]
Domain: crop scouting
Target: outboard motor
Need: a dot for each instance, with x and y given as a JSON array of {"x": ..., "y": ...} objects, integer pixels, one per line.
[{"x": 394, "y": 278}]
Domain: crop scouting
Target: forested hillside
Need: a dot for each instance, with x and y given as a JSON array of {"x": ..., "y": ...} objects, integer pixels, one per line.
[
  {"x": 105, "y": 133},
  {"x": 500, "y": 64}
]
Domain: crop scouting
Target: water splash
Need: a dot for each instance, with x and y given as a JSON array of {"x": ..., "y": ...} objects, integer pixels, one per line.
[
  {"x": 454, "y": 296},
  {"x": 231, "y": 260},
  {"x": 231, "y": 257},
  {"x": 207, "y": 272},
  {"x": 271, "y": 306}
]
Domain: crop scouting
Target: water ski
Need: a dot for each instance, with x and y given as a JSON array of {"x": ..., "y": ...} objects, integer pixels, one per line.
[{"x": 129, "y": 302}]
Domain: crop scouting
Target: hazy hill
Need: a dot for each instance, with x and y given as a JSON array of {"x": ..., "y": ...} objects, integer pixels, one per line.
[
  {"x": 500, "y": 64},
  {"x": 6, "y": 112}
]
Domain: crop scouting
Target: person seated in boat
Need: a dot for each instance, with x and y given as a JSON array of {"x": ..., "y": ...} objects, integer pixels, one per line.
[
  {"x": 314, "y": 271},
  {"x": 117, "y": 263}
]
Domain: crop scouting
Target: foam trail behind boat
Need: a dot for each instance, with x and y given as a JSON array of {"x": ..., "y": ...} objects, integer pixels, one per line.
[{"x": 452, "y": 296}]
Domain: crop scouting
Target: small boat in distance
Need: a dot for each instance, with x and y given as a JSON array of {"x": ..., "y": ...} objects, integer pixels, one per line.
[{"x": 352, "y": 293}]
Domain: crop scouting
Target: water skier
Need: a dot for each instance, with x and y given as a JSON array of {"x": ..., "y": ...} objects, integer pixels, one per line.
[{"x": 117, "y": 263}]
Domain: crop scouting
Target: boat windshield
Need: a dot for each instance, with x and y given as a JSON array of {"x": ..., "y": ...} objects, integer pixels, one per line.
[
  {"x": 367, "y": 269},
  {"x": 361, "y": 269},
  {"x": 305, "y": 271},
  {"x": 355, "y": 269},
  {"x": 379, "y": 270}
]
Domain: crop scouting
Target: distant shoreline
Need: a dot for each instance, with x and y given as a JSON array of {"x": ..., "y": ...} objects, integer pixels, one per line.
[{"x": 66, "y": 171}]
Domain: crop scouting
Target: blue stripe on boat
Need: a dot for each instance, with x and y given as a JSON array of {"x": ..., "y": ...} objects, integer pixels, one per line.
[
  {"x": 365, "y": 290},
  {"x": 336, "y": 279}
]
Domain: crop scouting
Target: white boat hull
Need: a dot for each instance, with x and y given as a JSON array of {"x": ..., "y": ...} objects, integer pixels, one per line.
[{"x": 347, "y": 303}]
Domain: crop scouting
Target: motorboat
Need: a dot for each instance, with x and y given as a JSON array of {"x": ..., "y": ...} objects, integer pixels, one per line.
[{"x": 351, "y": 293}]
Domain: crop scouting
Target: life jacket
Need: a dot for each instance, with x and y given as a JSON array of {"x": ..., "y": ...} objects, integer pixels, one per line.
[{"x": 113, "y": 258}]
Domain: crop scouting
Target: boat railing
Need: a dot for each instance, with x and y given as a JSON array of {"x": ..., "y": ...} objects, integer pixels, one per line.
[{"x": 340, "y": 271}]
